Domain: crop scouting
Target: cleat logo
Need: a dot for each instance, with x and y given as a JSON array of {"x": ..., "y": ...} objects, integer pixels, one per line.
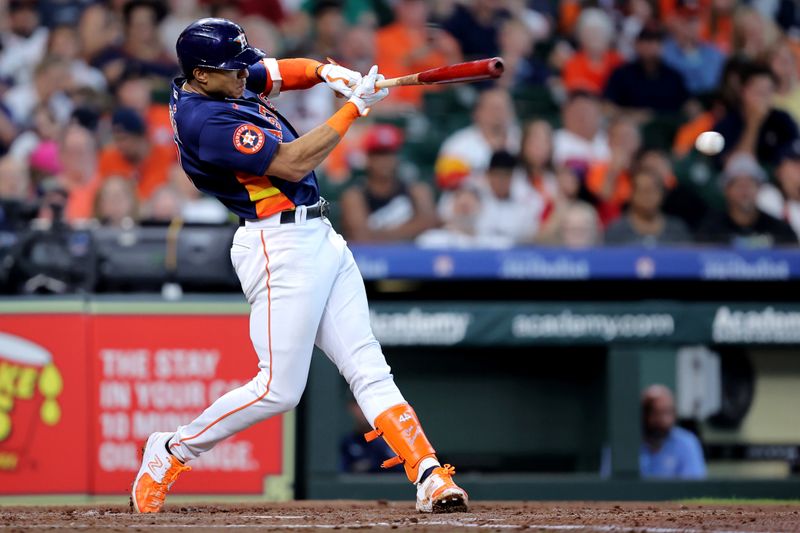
[{"x": 155, "y": 464}]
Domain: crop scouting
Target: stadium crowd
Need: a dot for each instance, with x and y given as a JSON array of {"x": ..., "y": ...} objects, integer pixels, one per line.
[{"x": 587, "y": 139}]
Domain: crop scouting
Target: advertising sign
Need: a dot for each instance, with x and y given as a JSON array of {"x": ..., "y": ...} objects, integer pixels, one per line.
[{"x": 156, "y": 372}]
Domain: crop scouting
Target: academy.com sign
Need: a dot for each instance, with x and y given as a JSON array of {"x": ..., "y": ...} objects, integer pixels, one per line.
[
  {"x": 419, "y": 327},
  {"x": 609, "y": 327},
  {"x": 765, "y": 326}
]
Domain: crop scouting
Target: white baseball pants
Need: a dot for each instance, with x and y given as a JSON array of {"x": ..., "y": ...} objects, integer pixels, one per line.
[{"x": 304, "y": 288}]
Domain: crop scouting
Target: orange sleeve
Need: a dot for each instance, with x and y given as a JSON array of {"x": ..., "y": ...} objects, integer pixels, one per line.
[
  {"x": 595, "y": 177},
  {"x": 298, "y": 73},
  {"x": 342, "y": 119},
  {"x": 688, "y": 133}
]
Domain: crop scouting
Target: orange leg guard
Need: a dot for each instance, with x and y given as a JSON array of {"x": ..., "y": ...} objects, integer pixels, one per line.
[{"x": 400, "y": 428}]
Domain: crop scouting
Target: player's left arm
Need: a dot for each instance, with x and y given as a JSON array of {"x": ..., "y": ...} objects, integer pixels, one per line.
[{"x": 271, "y": 76}]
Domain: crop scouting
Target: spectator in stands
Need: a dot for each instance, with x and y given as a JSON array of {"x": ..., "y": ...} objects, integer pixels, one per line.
[
  {"x": 640, "y": 12},
  {"x": 579, "y": 227},
  {"x": 680, "y": 200},
  {"x": 141, "y": 49},
  {"x": 505, "y": 213},
  {"x": 783, "y": 63},
  {"x": 589, "y": 68},
  {"x": 328, "y": 29},
  {"x": 132, "y": 156},
  {"x": 667, "y": 451},
  {"x": 357, "y": 48},
  {"x": 475, "y": 27},
  {"x": 647, "y": 84},
  {"x": 700, "y": 63},
  {"x": 581, "y": 140},
  {"x": 15, "y": 181},
  {"x": 568, "y": 189},
  {"x": 78, "y": 176},
  {"x": 386, "y": 209},
  {"x": 115, "y": 204},
  {"x": 65, "y": 44},
  {"x": 610, "y": 181},
  {"x": 537, "y": 162},
  {"x": 51, "y": 78},
  {"x": 45, "y": 128},
  {"x": 753, "y": 35},
  {"x": 196, "y": 208},
  {"x": 181, "y": 14},
  {"x": 8, "y": 130},
  {"x": 783, "y": 201},
  {"x": 164, "y": 206},
  {"x": 718, "y": 24},
  {"x": 644, "y": 222},
  {"x": 743, "y": 223},
  {"x": 23, "y": 41},
  {"x": 755, "y": 126},
  {"x": 727, "y": 96},
  {"x": 459, "y": 214},
  {"x": 135, "y": 91},
  {"x": 493, "y": 128},
  {"x": 98, "y": 32},
  {"x": 522, "y": 69},
  {"x": 410, "y": 45}
]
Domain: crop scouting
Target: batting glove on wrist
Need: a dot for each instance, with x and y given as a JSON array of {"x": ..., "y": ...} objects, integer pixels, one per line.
[
  {"x": 365, "y": 95},
  {"x": 341, "y": 80}
]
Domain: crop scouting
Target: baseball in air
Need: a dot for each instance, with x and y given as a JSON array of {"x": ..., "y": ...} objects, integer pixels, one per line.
[{"x": 709, "y": 143}]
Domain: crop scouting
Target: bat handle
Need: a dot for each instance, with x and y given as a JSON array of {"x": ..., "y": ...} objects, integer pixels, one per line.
[{"x": 411, "y": 79}]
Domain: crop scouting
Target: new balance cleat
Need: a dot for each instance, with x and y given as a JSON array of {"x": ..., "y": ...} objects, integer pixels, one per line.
[
  {"x": 439, "y": 494},
  {"x": 158, "y": 472}
]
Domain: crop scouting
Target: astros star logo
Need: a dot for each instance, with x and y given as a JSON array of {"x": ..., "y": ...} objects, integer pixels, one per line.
[
  {"x": 248, "y": 139},
  {"x": 242, "y": 40}
]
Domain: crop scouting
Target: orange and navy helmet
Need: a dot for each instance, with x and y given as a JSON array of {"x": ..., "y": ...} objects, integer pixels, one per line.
[{"x": 215, "y": 43}]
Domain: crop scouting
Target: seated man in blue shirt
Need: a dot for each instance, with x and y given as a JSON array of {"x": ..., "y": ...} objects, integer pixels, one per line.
[
  {"x": 667, "y": 451},
  {"x": 699, "y": 62}
]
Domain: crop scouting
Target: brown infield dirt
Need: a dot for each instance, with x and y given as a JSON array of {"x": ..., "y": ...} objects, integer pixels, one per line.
[{"x": 382, "y": 515}]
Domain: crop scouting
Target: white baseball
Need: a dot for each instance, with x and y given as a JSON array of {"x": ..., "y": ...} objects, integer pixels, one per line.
[{"x": 709, "y": 143}]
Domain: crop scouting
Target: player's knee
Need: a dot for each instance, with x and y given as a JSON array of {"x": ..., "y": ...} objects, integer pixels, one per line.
[{"x": 286, "y": 402}]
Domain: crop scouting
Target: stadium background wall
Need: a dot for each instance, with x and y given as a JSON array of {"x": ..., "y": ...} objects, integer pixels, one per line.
[{"x": 537, "y": 390}]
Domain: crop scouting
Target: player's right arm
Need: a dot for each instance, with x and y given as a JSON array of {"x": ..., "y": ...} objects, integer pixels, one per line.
[
  {"x": 295, "y": 159},
  {"x": 271, "y": 76}
]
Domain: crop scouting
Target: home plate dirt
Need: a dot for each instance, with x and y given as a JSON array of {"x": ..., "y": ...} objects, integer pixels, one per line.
[{"x": 384, "y": 516}]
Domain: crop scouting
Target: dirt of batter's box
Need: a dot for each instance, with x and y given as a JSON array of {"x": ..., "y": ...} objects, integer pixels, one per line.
[{"x": 382, "y": 515}]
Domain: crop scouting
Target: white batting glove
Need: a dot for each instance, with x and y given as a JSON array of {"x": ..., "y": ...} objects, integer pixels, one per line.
[
  {"x": 341, "y": 80},
  {"x": 365, "y": 95}
]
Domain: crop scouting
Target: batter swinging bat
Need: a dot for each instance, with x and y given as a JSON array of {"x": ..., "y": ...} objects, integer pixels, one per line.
[{"x": 483, "y": 69}]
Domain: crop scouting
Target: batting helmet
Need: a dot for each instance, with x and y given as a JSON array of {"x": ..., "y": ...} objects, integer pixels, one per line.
[{"x": 217, "y": 44}]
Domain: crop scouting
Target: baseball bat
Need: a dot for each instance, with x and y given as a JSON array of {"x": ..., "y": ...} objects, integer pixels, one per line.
[{"x": 483, "y": 69}]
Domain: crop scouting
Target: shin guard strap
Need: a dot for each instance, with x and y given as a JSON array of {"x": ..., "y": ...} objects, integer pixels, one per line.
[{"x": 400, "y": 428}]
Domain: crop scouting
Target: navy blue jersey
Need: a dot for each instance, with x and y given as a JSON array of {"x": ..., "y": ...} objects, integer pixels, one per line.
[{"x": 226, "y": 145}]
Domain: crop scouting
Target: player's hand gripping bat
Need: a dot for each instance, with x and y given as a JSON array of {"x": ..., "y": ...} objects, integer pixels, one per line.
[{"x": 483, "y": 69}]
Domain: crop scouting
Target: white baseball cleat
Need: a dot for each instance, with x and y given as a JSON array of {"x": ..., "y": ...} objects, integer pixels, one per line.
[
  {"x": 158, "y": 472},
  {"x": 439, "y": 494}
]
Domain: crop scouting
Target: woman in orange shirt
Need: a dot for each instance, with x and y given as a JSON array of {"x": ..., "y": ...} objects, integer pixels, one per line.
[
  {"x": 409, "y": 45},
  {"x": 589, "y": 68}
]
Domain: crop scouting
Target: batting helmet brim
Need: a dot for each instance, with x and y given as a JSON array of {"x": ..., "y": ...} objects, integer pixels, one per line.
[{"x": 248, "y": 56}]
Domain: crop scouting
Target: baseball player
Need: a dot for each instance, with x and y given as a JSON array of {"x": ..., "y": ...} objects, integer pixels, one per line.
[{"x": 297, "y": 273}]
